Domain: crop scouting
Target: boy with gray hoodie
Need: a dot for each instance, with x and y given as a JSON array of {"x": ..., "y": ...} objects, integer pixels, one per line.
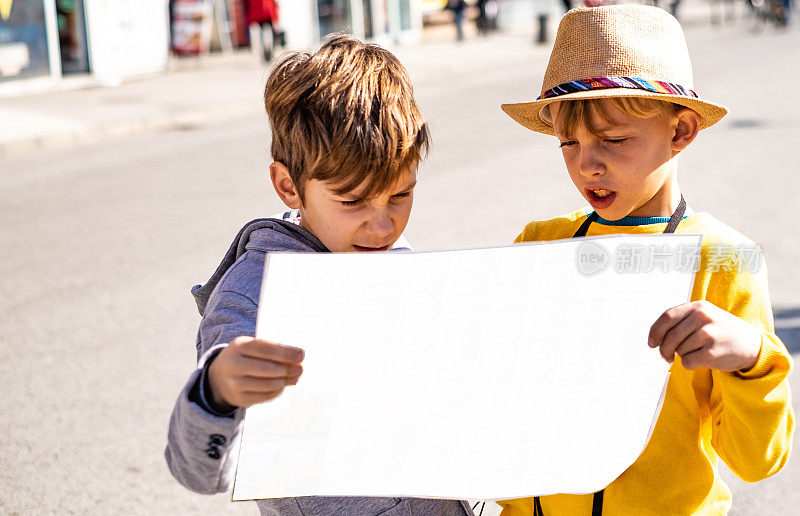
[{"x": 347, "y": 137}]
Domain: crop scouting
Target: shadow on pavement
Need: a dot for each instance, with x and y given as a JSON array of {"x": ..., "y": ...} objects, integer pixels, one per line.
[{"x": 787, "y": 326}]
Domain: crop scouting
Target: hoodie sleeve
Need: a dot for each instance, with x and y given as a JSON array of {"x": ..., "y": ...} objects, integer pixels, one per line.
[{"x": 201, "y": 448}]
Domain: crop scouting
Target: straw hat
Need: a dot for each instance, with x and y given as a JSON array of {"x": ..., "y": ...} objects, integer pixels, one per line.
[{"x": 616, "y": 51}]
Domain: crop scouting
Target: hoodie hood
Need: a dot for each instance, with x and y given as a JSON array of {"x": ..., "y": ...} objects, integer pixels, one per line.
[{"x": 264, "y": 235}]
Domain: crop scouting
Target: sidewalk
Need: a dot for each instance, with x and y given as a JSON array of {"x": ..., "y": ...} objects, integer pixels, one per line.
[
  {"x": 217, "y": 87},
  {"x": 201, "y": 91},
  {"x": 214, "y": 88}
]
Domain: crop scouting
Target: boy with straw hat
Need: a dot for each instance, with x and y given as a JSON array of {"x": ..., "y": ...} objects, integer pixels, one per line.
[{"x": 618, "y": 95}]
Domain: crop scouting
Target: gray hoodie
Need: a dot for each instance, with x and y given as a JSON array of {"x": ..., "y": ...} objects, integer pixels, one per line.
[{"x": 202, "y": 444}]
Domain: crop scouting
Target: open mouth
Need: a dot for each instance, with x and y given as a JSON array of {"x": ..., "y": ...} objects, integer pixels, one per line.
[
  {"x": 600, "y": 197},
  {"x": 364, "y": 249}
]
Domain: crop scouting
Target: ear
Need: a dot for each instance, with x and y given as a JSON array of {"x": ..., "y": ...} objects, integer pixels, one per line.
[
  {"x": 284, "y": 186},
  {"x": 687, "y": 126}
]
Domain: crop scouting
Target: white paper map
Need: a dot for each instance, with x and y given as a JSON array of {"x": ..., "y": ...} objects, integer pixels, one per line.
[{"x": 469, "y": 374}]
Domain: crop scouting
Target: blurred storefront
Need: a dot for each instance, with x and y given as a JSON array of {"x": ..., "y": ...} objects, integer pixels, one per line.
[
  {"x": 44, "y": 41},
  {"x": 307, "y": 21},
  {"x": 202, "y": 26},
  {"x": 27, "y": 30}
]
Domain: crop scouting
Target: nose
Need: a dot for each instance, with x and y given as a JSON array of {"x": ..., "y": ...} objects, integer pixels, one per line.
[
  {"x": 380, "y": 225},
  {"x": 590, "y": 162}
]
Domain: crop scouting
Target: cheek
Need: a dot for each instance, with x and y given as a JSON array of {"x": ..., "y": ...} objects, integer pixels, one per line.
[
  {"x": 339, "y": 222},
  {"x": 573, "y": 171},
  {"x": 570, "y": 161},
  {"x": 653, "y": 154},
  {"x": 341, "y": 230},
  {"x": 402, "y": 212},
  {"x": 347, "y": 222},
  {"x": 647, "y": 163}
]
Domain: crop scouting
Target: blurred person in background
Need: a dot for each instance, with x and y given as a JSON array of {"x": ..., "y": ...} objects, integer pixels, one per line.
[
  {"x": 487, "y": 16},
  {"x": 458, "y": 7},
  {"x": 264, "y": 13},
  {"x": 787, "y": 11}
]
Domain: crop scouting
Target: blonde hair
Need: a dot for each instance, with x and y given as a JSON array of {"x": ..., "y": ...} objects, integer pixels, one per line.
[
  {"x": 583, "y": 113},
  {"x": 345, "y": 114}
]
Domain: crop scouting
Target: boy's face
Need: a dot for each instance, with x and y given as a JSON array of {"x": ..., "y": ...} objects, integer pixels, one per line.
[
  {"x": 345, "y": 224},
  {"x": 626, "y": 169}
]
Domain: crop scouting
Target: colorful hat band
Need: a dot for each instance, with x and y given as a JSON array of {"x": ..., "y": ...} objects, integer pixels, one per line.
[{"x": 603, "y": 83}]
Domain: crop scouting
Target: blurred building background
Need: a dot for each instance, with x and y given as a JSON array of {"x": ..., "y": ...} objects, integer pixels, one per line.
[{"x": 44, "y": 41}]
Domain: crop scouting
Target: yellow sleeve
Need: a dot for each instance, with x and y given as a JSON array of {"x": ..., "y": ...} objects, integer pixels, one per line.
[
  {"x": 528, "y": 234},
  {"x": 752, "y": 414}
]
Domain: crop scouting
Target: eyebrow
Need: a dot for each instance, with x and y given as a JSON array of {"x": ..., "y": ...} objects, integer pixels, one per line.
[
  {"x": 409, "y": 186},
  {"x": 354, "y": 197},
  {"x": 608, "y": 128},
  {"x": 601, "y": 130}
]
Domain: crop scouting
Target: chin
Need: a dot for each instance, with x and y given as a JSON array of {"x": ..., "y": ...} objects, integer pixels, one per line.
[
  {"x": 606, "y": 213},
  {"x": 616, "y": 211}
]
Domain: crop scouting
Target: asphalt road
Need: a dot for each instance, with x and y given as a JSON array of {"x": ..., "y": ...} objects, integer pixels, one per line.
[{"x": 100, "y": 243}]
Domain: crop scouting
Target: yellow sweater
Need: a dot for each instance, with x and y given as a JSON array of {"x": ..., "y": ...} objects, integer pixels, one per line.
[{"x": 744, "y": 418}]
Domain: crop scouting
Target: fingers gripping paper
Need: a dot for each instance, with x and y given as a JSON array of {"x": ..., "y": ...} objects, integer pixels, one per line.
[{"x": 547, "y": 343}]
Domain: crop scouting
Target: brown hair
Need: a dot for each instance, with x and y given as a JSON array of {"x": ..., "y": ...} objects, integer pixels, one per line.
[
  {"x": 345, "y": 114},
  {"x": 574, "y": 113}
]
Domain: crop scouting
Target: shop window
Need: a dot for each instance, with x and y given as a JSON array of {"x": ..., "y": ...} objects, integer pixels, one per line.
[
  {"x": 23, "y": 40},
  {"x": 405, "y": 15},
  {"x": 334, "y": 16},
  {"x": 368, "y": 32},
  {"x": 72, "y": 36}
]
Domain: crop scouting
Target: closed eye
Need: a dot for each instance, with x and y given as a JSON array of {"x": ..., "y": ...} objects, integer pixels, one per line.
[
  {"x": 567, "y": 143},
  {"x": 357, "y": 202},
  {"x": 401, "y": 195},
  {"x": 615, "y": 141}
]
